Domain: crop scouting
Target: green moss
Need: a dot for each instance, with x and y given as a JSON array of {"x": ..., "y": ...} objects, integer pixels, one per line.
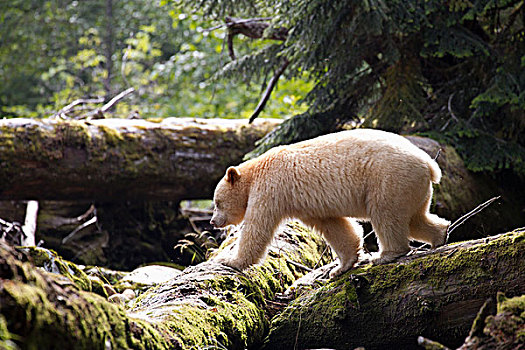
[
  {"x": 471, "y": 262},
  {"x": 112, "y": 137},
  {"x": 329, "y": 304},
  {"x": 234, "y": 323},
  {"x": 514, "y": 305},
  {"x": 6, "y": 337},
  {"x": 45, "y": 313},
  {"x": 227, "y": 309},
  {"x": 51, "y": 262}
]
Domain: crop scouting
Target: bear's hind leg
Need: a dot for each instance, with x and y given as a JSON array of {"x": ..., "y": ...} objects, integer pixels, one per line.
[
  {"x": 429, "y": 228},
  {"x": 344, "y": 235},
  {"x": 392, "y": 237}
]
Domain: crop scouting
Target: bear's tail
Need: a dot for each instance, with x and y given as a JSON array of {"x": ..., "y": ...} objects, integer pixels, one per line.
[{"x": 435, "y": 171}]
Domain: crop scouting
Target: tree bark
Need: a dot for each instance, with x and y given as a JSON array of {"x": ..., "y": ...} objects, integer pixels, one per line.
[{"x": 117, "y": 159}]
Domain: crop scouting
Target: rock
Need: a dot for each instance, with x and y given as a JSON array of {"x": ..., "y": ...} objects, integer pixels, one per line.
[
  {"x": 129, "y": 294},
  {"x": 118, "y": 299},
  {"x": 150, "y": 275}
]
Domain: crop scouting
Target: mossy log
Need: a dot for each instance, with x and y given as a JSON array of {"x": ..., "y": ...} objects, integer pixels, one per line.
[
  {"x": 435, "y": 295},
  {"x": 118, "y": 159},
  {"x": 497, "y": 326},
  {"x": 208, "y": 304}
]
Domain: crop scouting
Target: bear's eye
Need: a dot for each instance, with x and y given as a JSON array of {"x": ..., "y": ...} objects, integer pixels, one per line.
[{"x": 217, "y": 204}]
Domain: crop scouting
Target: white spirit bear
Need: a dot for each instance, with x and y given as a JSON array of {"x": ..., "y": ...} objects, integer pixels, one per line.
[{"x": 328, "y": 183}]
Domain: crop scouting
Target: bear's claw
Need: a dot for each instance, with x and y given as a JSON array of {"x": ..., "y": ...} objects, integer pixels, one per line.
[
  {"x": 342, "y": 268},
  {"x": 386, "y": 257},
  {"x": 231, "y": 262}
]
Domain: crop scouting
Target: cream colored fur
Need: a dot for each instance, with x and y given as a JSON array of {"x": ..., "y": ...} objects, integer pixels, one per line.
[{"x": 329, "y": 182}]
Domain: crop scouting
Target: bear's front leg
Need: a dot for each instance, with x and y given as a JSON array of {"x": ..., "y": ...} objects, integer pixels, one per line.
[
  {"x": 344, "y": 235},
  {"x": 255, "y": 237}
]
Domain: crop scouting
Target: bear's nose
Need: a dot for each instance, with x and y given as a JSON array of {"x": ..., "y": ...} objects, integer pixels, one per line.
[{"x": 212, "y": 222}]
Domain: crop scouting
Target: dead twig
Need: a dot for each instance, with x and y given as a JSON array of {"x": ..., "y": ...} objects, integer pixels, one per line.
[
  {"x": 70, "y": 107},
  {"x": 452, "y": 115},
  {"x": 470, "y": 214},
  {"x": 115, "y": 99},
  {"x": 58, "y": 221},
  {"x": 97, "y": 113},
  {"x": 261, "y": 19},
  {"x": 266, "y": 96},
  {"x": 11, "y": 232},
  {"x": 301, "y": 266},
  {"x": 91, "y": 221},
  {"x": 254, "y": 28}
]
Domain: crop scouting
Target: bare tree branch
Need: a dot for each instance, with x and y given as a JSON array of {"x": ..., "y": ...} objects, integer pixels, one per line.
[{"x": 266, "y": 96}]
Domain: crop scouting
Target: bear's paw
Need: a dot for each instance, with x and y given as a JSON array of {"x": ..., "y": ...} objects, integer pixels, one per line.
[
  {"x": 233, "y": 262},
  {"x": 386, "y": 257},
  {"x": 339, "y": 269}
]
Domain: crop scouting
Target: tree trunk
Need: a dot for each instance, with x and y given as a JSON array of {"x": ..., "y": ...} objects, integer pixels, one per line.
[
  {"x": 435, "y": 295},
  {"x": 108, "y": 48},
  {"x": 118, "y": 159}
]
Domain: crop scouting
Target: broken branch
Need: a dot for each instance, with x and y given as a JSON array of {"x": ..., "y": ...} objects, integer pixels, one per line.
[
  {"x": 29, "y": 228},
  {"x": 271, "y": 85},
  {"x": 253, "y": 28}
]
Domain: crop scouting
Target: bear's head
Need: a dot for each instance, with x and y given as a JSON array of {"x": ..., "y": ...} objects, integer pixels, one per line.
[{"x": 230, "y": 199}]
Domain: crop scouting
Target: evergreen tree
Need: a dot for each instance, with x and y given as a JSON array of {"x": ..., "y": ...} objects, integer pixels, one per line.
[{"x": 454, "y": 69}]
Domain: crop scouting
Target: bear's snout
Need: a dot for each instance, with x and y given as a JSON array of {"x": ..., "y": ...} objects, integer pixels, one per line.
[{"x": 217, "y": 221}]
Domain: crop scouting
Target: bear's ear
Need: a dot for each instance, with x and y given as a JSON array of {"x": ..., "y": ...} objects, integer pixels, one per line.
[{"x": 232, "y": 175}]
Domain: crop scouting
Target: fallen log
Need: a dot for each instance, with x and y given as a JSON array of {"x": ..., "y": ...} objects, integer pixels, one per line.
[
  {"x": 498, "y": 326},
  {"x": 120, "y": 159},
  {"x": 208, "y": 304},
  {"x": 435, "y": 295}
]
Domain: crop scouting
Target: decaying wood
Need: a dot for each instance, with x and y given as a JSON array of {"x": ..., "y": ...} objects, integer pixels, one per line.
[
  {"x": 268, "y": 91},
  {"x": 253, "y": 28},
  {"x": 86, "y": 111},
  {"x": 117, "y": 159},
  {"x": 256, "y": 28}
]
